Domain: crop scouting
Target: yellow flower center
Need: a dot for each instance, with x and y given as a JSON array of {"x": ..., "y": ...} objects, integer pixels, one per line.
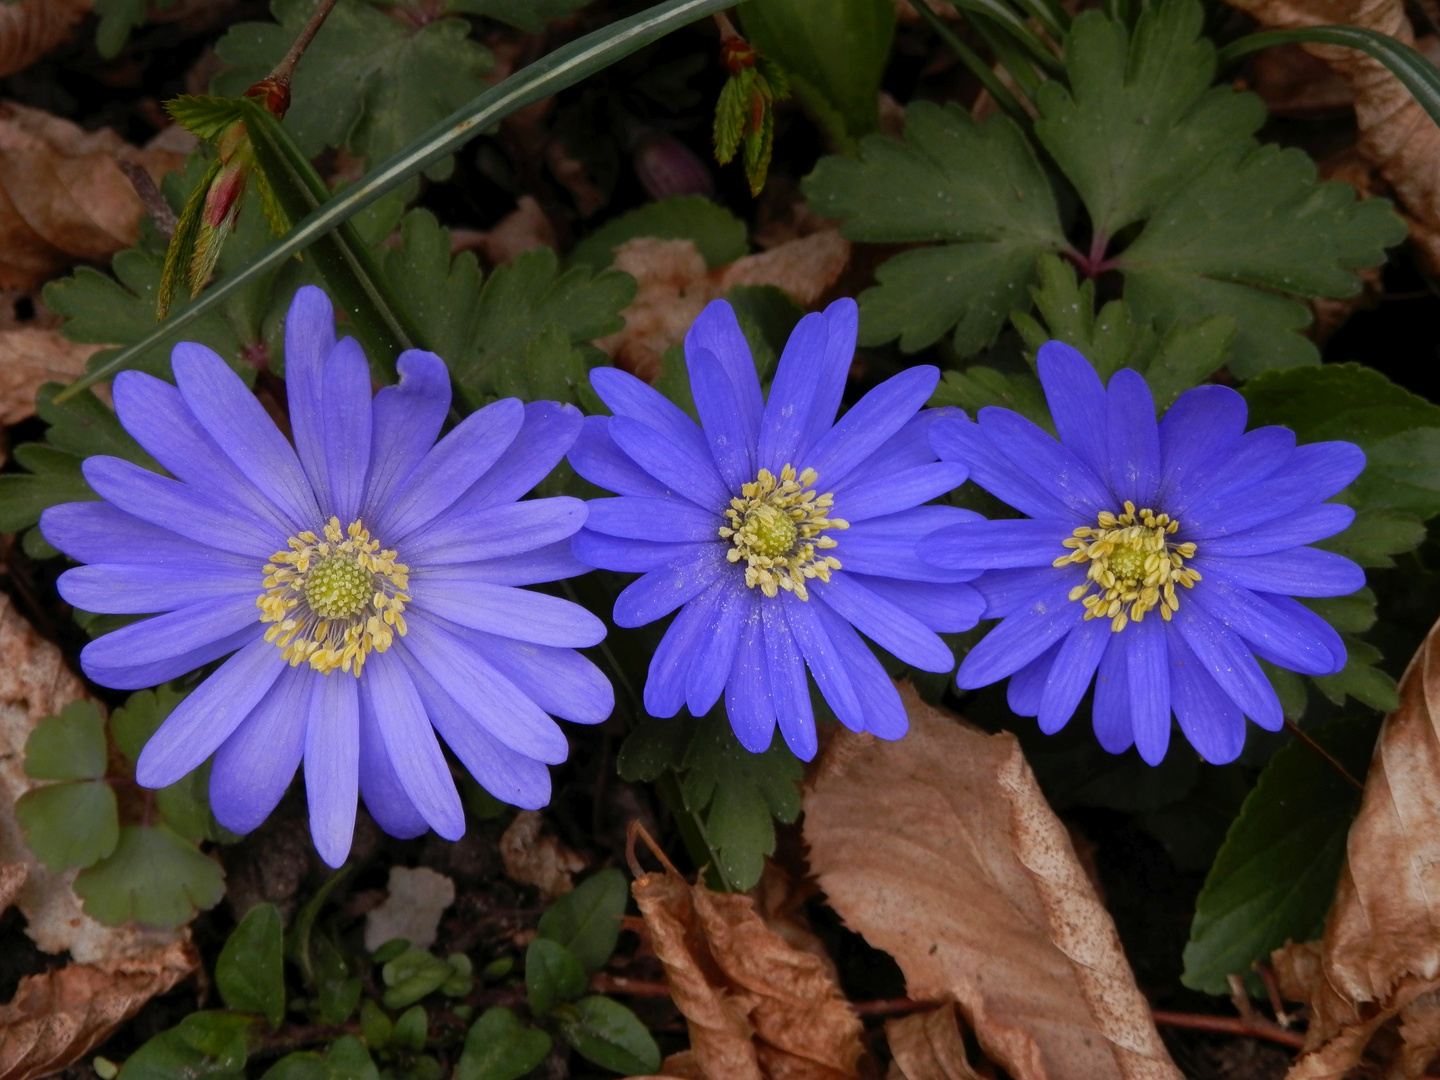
[
  {"x": 775, "y": 525},
  {"x": 333, "y": 600},
  {"x": 1133, "y": 564}
]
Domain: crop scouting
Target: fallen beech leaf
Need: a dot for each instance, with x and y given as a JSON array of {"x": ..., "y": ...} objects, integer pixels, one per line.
[
  {"x": 35, "y": 683},
  {"x": 533, "y": 856},
  {"x": 928, "y": 1046},
  {"x": 525, "y": 228},
  {"x": 31, "y": 28},
  {"x": 417, "y": 898},
  {"x": 31, "y": 357},
  {"x": 63, "y": 196},
  {"x": 12, "y": 876},
  {"x": 1396, "y": 135},
  {"x": 1379, "y": 959},
  {"x": 757, "y": 1008},
  {"x": 674, "y": 286},
  {"x": 941, "y": 850},
  {"x": 58, "y": 1016}
]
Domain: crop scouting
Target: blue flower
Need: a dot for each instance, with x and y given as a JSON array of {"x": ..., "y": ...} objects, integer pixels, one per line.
[
  {"x": 365, "y": 580},
  {"x": 1160, "y": 559},
  {"x": 777, "y": 531}
]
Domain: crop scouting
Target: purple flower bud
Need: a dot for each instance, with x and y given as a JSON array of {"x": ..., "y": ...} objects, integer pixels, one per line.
[{"x": 667, "y": 167}]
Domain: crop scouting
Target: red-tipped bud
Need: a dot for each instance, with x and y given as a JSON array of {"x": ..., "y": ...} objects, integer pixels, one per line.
[{"x": 273, "y": 94}]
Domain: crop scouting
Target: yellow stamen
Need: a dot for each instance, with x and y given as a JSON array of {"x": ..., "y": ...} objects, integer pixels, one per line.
[
  {"x": 333, "y": 601},
  {"x": 1133, "y": 563},
  {"x": 775, "y": 525}
]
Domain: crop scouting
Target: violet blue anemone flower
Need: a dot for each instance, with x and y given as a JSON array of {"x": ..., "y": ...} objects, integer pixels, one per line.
[
  {"x": 775, "y": 530},
  {"x": 366, "y": 581},
  {"x": 1159, "y": 559}
]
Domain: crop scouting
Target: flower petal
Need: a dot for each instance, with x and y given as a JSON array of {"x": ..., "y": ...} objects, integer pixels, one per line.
[
  {"x": 410, "y": 744},
  {"x": 561, "y": 681},
  {"x": 889, "y": 546},
  {"x": 1256, "y": 455},
  {"x": 1064, "y": 474},
  {"x": 801, "y": 368},
  {"x": 347, "y": 428},
  {"x": 309, "y": 337},
  {"x": 712, "y": 664},
  {"x": 676, "y": 467},
  {"x": 662, "y": 591},
  {"x": 880, "y": 704},
  {"x": 136, "y": 589},
  {"x": 1224, "y": 656},
  {"x": 997, "y": 545},
  {"x": 451, "y": 466},
  {"x": 787, "y": 682},
  {"x": 1316, "y": 626},
  {"x": 470, "y": 533},
  {"x": 1008, "y": 591},
  {"x": 906, "y": 449},
  {"x": 1070, "y": 673},
  {"x": 1212, "y": 723},
  {"x": 332, "y": 765},
  {"x": 717, "y": 330},
  {"x": 122, "y": 656},
  {"x": 1008, "y": 481},
  {"x": 380, "y": 785},
  {"x": 748, "y": 703},
  {"x": 946, "y": 609},
  {"x": 99, "y": 532},
  {"x": 1148, "y": 676},
  {"x": 1077, "y": 403},
  {"x": 546, "y": 436},
  {"x": 1330, "y": 466},
  {"x": 843, "y": 322},
  {"x": 1237, "y": 511},
  {"x": 658, "y": 520},
  {"x": 180, "y": 507},
  {"x": 1021, "y": 637},
  {"x": 550, "y": 563},
  {"x": 478, "y": 688},
  {"x": 687, "y": 637},
  {"x": 628, "y": 397},
  {"x": 1301, "y": 571},
  {"x": 1291, "y": 643},
  {"x": 242, "y": 428},
  {"x": 1026, "y": 688},
  {"x": 406, "y": 419},
  {"x": 205, "y": 719},
  {"x": 1200, "y": 430},
  {"x": 721, "y": 418},
  {"x": 1132, "y": 439},
  {"x": 1111, "y": 711},
  {"x": 453, "y": 593},
  {"x": 635, "y": 556},
  {"x": 596, "y": 458},
  {"x": 870, "y": 422},
  {"x": 254, "y": 766},
  {"x": 1304, "y": 526},
  {"x": 901, "y": 490},
  {"x": 893, "y": 629},
  {"x": 823, "y": 659}
]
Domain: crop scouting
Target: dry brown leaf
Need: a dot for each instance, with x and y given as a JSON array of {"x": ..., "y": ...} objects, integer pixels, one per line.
[
  {"x": 1379, "y": 960},
  {"x": 31, "y": 28},
  {"x": 533, "y": 856},
  {"x": 58, "y": 1016},
  {"x": 12, "y": 876},
  {"x": 35, "y": 683},
  {"x": 928, "y": 1046},
  {"x": 63, "y": 196},
  {"x": 31, "y": 357},
  {"x": 525, "y": 228},
  {"x": 1396, "y": 135},
  {"x": 757, "y": 1008},
  {"x": 674, "y": 286},
  {"x": 941, "y": 850}
]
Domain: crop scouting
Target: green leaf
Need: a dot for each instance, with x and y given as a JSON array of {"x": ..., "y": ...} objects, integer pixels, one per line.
[
  {"x": 526, "y": 15},
  {"x": 410, "y": 1030},
  {"x": 1360, "y": 679},
  {"x": 1140, "y": 116},
  {"x": 54, "y": 478},
  {"x": 186, "y": 807},
  {"x": 368, "y": 81},
  {"x": 834, "y": 53},
  {"x": 980, "y": 189},
  {"x": 738, "y": 793},
  {"x": 586, "y": 920},
  {"x": 70, "y": 746},
  {"x": 654, "y": 745},
  {"x": 610, "y": 1035},
  {"x": 552, "y": 975},
  {"x": 347, "y": 1059},
  {"x": 204, "y": 1046},
  {"x": 412, "y": 975},
  {"x": 499, "y": 1047},
  {"x": 70, "y": 824},
  {"x": 979, "y": 386},
  {"x": 1375, "y": 535},
  {"x": 720, "y": 236},
  {"x": 1275, "y": 875},
  {"x": 205, "y": 117},
  {"x": 154, "y": 877},
  {"x": 251, "y": 970},
  {"x": 85, "y": 425},
  {"x": 144, "y": 711},
  {"x": 116, "y": 19}
]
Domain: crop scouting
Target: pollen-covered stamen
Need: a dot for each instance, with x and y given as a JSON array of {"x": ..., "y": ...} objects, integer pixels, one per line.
[
  {"x": 1134, "y": 564},
  {"x": 775, "y": 525},
  {"x": 334, "y": 599}
]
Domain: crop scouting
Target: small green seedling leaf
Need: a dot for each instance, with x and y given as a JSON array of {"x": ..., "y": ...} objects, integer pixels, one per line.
[
  {"x": 552, "y": 975},
  {"x": 154, "y": 877},
  {"x": 499, "y": 1047},
  {"x": 70, "y": 746},
  {"x": 586, "y": 920},
  {"x": 410, "y": 1030},
  {"x": 203, "y": 1046},
  {"x": 69, "y": 824},
  {"x": 144, "y": 711},
  {"x": 412, "y": 975},
  {"x": 251, "y": 970},
  {"x": 610, "y": 1035}
]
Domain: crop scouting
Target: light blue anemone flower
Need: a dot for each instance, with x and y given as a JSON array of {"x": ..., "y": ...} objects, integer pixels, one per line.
[
  {"x": 1158, "y": 560},
  {"x": 367, "y": 580},
  {"x": 776, "y": 531}
]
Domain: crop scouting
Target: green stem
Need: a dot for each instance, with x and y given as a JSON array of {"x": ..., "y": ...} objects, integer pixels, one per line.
[
  {"x": 976, "y": 65},
  {"x": 693, "y": 833},
  {"x": 562, "y": 68}
]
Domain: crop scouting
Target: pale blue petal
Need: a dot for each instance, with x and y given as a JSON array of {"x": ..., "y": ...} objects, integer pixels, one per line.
[
  {"x": 1111, "y": 711},
  {"x": 1235, "y": 512},
  {"x": 687, "y": 637},
  {"x": 843, "y": 320},
  {"x": 890, "y": 627},
  {"x": 900, "y": 490},
  {"x": 1132, "y": 439},
  {"x": 596, "y": 458},
  {"x": 546, "y": 436},
  {"x": 1148, "y": 675},
  {"x": 93, "y": 532},
  {"x": 997, "y": 545},
  {"x": 691, "y": 475},
  {"x": 454, "y": 593},
  {"x": 1303, "y": 526},
  {"x": 1068, "y": 676},
  {"x": 660, "y": 520},
  {"x": 712, "y": 664},
  {"x": 1212, "y": 723},
  {"x": 908, "y": 448},
  {"x": 662, "y": 591},
  {"x": 1288, "y": 642},
  {"x": 628, "y": 397},
  {"x": 561, "y": 681},
  {"x": 787, "y": 683},
  {"x": 1077, "y": 402},
  {"x": 824, "y": 660},
  {"x": 636, "y": 556},
  {"x": 254, "y": 766},
  {"x": 407, "y": 419},
  {"x": 127, "y": 675},
  {"x": 890, "y": 546},
  {"x": 347, "y": 428},
  {"x": 870, "y": 423},
  {"x": 1026, "y": 688},
  {"x": 946, "y": 609},
  {"x": 553, "y": 562},
  {"x": 721, "y": 418},
  {"x": 1008, "y": 591},
  {"x": 1312, "y": 625},
  {"x": 1256, "y": 455},
  {"x": 138, "y": 589},
  {"x": 309, "y": 337},
  {"x": 1226, "y": 658},
  {"x": 1008, "y": 481},
  {"x": 1064, "y": 474},
  {"x": 332, "y": 765},
  {"x": 467, "y": 533},
  {"x": 1197, "y": 433},
  {"x": 792, "y": 394},
  {"x": 748, "y": 701},
  {"x": 717, "y": 330},
  {"x": 1021, "y": 637},
  {"x": 380, "y": 785},
  {"x": 1300, "y": 571},
  {"x": 880, "y": 703},
  {"x": 121, "y": 656}
]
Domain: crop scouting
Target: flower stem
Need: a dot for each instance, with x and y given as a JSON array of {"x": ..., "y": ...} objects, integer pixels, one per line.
[
  {"x": 286, "y": 67},
  {"x": 1308, "y": 741}
]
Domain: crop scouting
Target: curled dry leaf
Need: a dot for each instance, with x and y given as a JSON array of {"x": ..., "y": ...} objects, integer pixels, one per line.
[
  {"x": 31, "y": 28},
  {"x": 63, "y": 196},
  {"x": 35, "y": 683},
  {"x": 674, "y": 285},
  {"x": 1396, "y": 136},
  {"x": 757, "y": 1007},
  {"x": 928, "y": 1046},
  {"x": 58, "y": 1016},
  {"x": 525, "y": 228},
  {"x": 31, "y": 357},
  {"x": 941, "y": 850},
  {"x": 533, "y": 856},
  {"x": 1378, "y": 964}
]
